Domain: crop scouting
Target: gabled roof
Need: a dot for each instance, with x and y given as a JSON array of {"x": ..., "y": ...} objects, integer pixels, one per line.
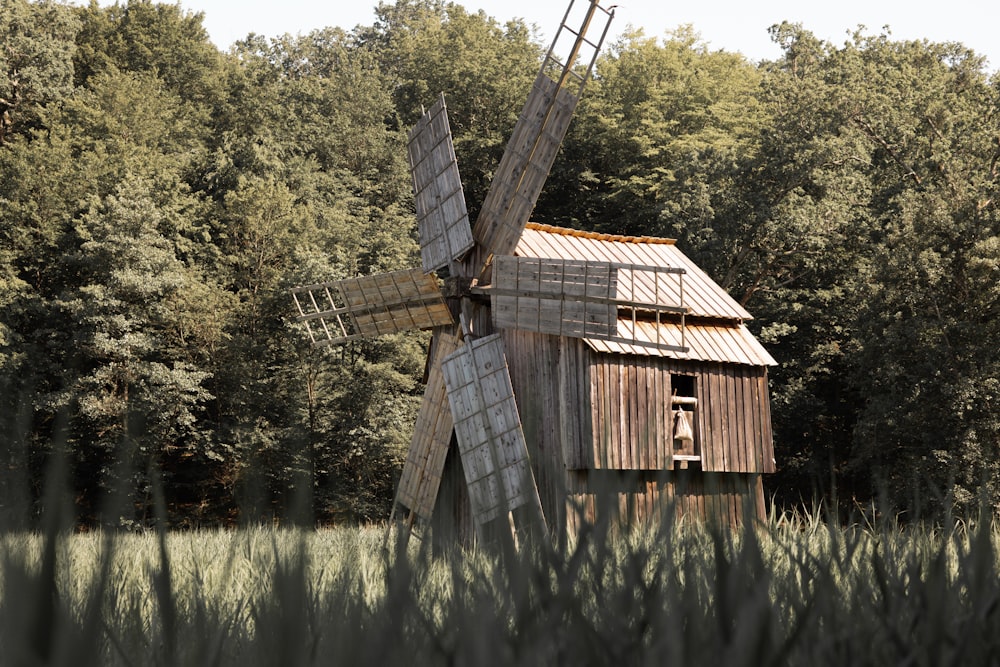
[{"x": 716, "y": 333}]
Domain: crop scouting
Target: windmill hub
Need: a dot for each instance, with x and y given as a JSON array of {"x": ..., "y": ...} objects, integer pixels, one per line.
[{"x": 456, "y": 287}]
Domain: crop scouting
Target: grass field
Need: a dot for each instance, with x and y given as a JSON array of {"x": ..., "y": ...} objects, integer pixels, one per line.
[{"x": 795, "y": 592}]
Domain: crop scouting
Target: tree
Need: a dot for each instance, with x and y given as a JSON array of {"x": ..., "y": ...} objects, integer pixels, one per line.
[
  {"x": 658, "y": 131},
  {"x": 884, "y": 152},
  {"x": 930, "y": 365},
  {"x": 485, "y": 71},
  {"x": 316, "y": 197},
  {"x": 144, "y": 37},
  {"x": 36, "y": 66},
  {"x": 131, "y": 381}
]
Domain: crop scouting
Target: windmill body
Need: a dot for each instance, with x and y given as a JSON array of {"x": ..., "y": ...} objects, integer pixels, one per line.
[
  {"x": 600, "y": 414},
  {"x": 559, "y": 359}
]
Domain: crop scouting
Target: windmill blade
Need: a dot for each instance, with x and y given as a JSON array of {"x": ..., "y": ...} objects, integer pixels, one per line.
[
  {"x": 488, "y": 430},
  {"x": 442, "y": 218},
  {"x": 421, "y": 476},
  {"x": 337, "y": 312},
  {"x": 584, "y": 299},
  {"x": 554, "y": 296},
  {"x": 537, "y": 135}
]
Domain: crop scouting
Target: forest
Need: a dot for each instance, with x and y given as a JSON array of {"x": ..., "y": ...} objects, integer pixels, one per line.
[{"x": 158, "y": 198}]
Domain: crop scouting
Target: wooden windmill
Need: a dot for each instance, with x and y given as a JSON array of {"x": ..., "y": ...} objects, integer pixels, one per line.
[{"x": 487, "y": 289}]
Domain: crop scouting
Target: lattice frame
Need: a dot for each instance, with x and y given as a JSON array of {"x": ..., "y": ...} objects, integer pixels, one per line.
[
  {"x": 488, "y": 429},
  {"x": 442, "y": 217},
  {"x": 385, "y": 303}
]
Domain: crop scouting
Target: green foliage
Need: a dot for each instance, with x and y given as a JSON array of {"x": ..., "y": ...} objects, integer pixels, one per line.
[
  {"x": 36, "y": 68},
  {"x": 158, "y": 39},
  {"x": 893, "y": 147},
  {"x": 158, "y": 198},
  {"x": 656, "y": 135},
  {"x": 485, "y": 71}
]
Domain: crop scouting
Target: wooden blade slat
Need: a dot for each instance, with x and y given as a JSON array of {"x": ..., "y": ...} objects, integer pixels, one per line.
[
  {"x": 557, "y": 297},
  {"x": 524, "y": 166},
  {"x": 421, "y": 476},
  {"x": 385, "y": 303},
  {"x": 488, "y": 429},
  {"x": 538, "y": 133},
  {"x": 583, "y": 298},
  {"x": 442, "y": 217}
]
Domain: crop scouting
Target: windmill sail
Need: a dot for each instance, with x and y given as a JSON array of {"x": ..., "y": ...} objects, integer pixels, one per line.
[
  {"x": 535, "y": 141},
  {"x": 553, "y": 296},
  {"x": 488, "y": 429},
  {"x": 442, "y": 217},
  {"x": 524, "y": 166},
  {"x": 345, "y": 310},
  {"x": 421, "y": 476},
  {"x": 474, "y": 376},
  {"x": 586, "y": 298}
]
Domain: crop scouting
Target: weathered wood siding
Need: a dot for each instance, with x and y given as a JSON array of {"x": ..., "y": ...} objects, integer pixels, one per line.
[
  {"x": 548, "y": 375},
  {"x": 630, "y": 415},
  {"x": 593, "y": 416},
  {"x": 734, "y": 418},
  {"x": 637, "y": 497}
]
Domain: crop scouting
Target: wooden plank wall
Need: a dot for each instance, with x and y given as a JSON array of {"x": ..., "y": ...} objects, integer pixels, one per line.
[
  {"x": 631, "y": 418},
  {"x": 734, "y": 418},
  {"x": 587, "y": 412},
  {"x": 549, "y": 382},
  {"x": 637, "y": 498},
  {"x": 630, "y": 411}
]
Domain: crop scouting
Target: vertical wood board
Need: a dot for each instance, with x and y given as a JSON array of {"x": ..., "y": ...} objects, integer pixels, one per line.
[
  {"x": 421, "y": 476},
  {"x": 634, "y": 498},
  {"x": 631, "y": 420}
]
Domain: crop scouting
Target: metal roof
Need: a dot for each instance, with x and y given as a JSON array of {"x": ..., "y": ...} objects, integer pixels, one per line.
[
  {"x": 705, "y": 342},
  {"x": 726, "y": 339},
  {"x": 702, "y": 295}
]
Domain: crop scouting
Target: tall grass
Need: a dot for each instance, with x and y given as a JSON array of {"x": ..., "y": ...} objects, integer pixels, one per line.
[{"x": 797, "y": 591}]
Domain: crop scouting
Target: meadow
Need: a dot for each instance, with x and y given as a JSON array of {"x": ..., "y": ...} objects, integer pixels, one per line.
[{"x": 794, "y": 591}]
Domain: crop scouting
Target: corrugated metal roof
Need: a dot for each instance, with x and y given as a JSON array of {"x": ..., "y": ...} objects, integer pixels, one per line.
[
  {"x": 722, "y": 343},
  {"x": 727, "y": 340},
  {"x": 702, "y": 295}
]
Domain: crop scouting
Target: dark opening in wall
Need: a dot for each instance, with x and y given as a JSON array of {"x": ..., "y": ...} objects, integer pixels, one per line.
[{"x": 684, "y": 413}]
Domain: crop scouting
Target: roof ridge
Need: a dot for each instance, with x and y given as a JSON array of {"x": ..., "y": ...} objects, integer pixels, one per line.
[{"x": 566, "y": 231}]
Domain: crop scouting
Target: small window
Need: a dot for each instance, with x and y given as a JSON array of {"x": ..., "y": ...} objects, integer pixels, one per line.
[
  {"x": 684, "y": 417},
  {"x": 682, "y": 385}
]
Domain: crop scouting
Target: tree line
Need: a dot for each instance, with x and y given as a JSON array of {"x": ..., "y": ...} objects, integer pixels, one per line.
[{"x": 158, "y": 197}]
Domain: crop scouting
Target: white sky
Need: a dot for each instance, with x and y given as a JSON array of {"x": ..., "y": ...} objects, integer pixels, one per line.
[{"x": 723, "y": 24}]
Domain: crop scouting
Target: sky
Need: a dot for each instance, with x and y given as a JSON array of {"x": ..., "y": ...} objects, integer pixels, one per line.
[{"x": 723, "y": 24}]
